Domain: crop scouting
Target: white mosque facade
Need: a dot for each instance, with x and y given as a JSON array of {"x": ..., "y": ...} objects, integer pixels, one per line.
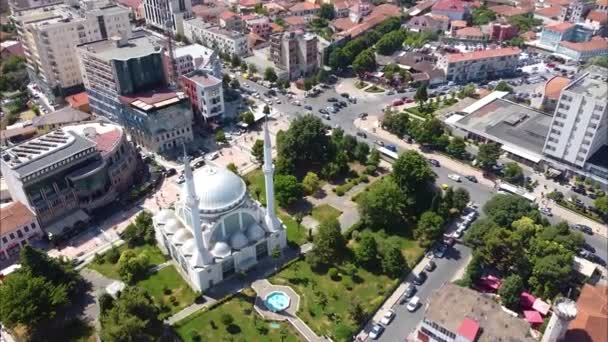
[{"x": 217, "y": 229}]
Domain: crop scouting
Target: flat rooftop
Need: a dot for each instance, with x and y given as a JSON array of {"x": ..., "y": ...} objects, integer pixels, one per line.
[
  {"x": 152, "y": 100},
  {"x": 135, "y": 47},
  {"x": 509, "y": 123},
  {"x": 593, "y": 83},
  {"x": 451, "y": 304},
  {"x": 38, "y": 153}
]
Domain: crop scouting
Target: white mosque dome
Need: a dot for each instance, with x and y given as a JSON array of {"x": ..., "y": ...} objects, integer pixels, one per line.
[
  {"x": 238, "y": 240},
  {"x": 255, "y": 232},
  {"x": 181, "y": 236},
  {"x": 221, "y": 249},
  {"x": 172, "y": 225},
  {"x": 189, "y": 247},
  {"x": 218, "y": 189},
  {"x": 163, "y": 216}
]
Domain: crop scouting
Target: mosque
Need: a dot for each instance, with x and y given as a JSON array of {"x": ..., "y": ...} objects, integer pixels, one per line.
[{"x": 217, "y": 228}]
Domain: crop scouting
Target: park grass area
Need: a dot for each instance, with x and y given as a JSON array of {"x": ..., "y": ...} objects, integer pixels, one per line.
[
  {"x": 206, "y": 325},
  {"x": 111, "y": 270},
  {"x": 430, "y": 108},
  {"x": 325, "y": 212},
  {"x": 409, "y": 247},
  {"x": 295, "y": 234},
  {"x": 325, "y": 302},
  {"x": 165, "y": 285},
  {"x": 374, "y": 89},
  {"x": 360, "y": 84}
]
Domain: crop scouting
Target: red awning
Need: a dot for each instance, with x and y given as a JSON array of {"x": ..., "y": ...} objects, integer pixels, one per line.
[
  {"x": 533, "y": 317},
  {"x": 541, "y": 306},
  {"x": 526, "y": 300},
  {"x": 468, "y": 329},
  {"x": 491, "y": 282}
]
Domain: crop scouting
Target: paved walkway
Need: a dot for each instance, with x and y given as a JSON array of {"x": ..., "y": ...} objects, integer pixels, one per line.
[
  {"x": 160, "y": 266},
  {"x": 189, "y": 310},
  {"x": 262, "y": 288},
  {"x": 371, "y": 125}
]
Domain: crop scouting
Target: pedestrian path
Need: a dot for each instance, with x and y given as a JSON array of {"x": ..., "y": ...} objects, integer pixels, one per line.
[
  {"x": 160, "y": 266},
  {"x": 189, "y": 310}
]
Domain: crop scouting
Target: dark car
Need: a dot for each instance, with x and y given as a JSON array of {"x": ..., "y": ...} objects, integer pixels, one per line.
[
  {"x": 362, "y": 135},
  {"x": 199, "y": 163},
  {"x": 323, "y": 111},
  {"x": 401, "y": 90},
  {"x": 440, "y": 250},
  {"x": 449, "y": 241},
  {"x": 588, "y": 247},
  {"x": 309, "y": 107},
  {"x": 419, "y": 278},
  {"x": 583, "y": 228},
  {"x": 410, "y": 291},
  {"x": 430, "y": 266},
  {"x": 471, "y": 178},
  {"x": 343, "y": 103},
  {"x": 391, "y": 147},
  {"x": 363, "y": 115},
  {"x": 346, "y": 95},
  {"x": 434, "y": 162},
  {"x": 332, "y": 99},
  {"x": 170, "y": 172}
]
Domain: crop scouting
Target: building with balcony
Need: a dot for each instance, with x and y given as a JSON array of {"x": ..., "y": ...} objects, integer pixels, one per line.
[
  {"x": 64, "y": 175},
  {"x": 553, "y": 35},
  {"x": 206, "y": 94},
  {"x": 19, "y": 227},
  {"x": 214, "y": 37},
  {"x": 579, "y": 129},
  {"x": 50, "y": 35},
  {"x": 295, "y": 52},
  {"x": 479, "y": 65},
  {"x": 193, "y": 57},
  {"x": 231, "y": 21},
  {"x": 163, "y": 14}
]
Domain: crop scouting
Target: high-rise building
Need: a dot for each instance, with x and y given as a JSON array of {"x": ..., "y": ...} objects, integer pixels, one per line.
[
  {"x": 158, "y": 12},
  {"x": 206, "y": 93},
  {"x": 50, "y": 35},
  {"x": 215, "y": 37},
  {"x": 296, "y": 52},
  {"x": 580, "y": 125},
  {"x": 126, "y": 82}
]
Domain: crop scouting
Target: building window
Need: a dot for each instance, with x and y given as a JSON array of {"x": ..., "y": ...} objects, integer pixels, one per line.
[
  {"x": 12, "y": 236},
  {"x": 26, "y": 229},
  {"x": 19, "y": 233},
  {"x": 33, "y": 225},
  {"x": 4, "y": 239}
]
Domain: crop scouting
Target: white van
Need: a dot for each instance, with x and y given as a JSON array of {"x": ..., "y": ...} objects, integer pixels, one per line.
[{"x": 413, "y": 304}]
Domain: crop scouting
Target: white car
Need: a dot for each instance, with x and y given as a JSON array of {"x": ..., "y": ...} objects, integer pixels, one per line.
[
  {"x": 212, "y": 156},
  {"x": 387, "y": 318},
  {"x": 376, "y": 331},
  {"x": 454, "y": 177},
  {"x": 413, "y": 304}
]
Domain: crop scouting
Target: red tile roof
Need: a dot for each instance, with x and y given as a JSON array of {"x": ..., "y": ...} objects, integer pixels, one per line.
[
  {"x": 303, "y": 6},
  {"x": 468, "y": 329},
  {"x": 508, "y": 11},
  {"x": 449, "y": 5},
  {"x": 78, "y": 100},
  {"x": 14, "y": 50},
  {"x": 469, "y": 32},
  {"x": 459, "y": 23},
  {"x": 475, "y": 55},
  {"x": 554, "y": 86},
  {"x": 597, "y": 16},
  {"x": 342, "y": 24},
  {"x": 528, "y": 35},
  {"x": 227, "y": 15},
  {"x": 107, "y": 141},
  {"x": 249, "y": 3},
  {"x": 561, "y": 27},
  {"x": 592, "y": 316},
  {"x": 592, "y": 45},
  {"x": 560, "y": 2},
  {"x": 295, "y": 20},
  {"x": 131, "y": 3},
  {"x": 549, "y": 12},
  {"x": 13, "y": 216}
]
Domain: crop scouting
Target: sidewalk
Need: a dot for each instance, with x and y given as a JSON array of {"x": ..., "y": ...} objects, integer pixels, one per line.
[{"x": 371, "y": 125}]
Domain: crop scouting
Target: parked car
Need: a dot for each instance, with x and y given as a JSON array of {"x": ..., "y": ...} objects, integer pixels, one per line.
[
  {"x": 323, "y": 111},
  {"x": 199, "y": 163},
  {"x": 212, "y": 156},
  {"x": 471, "y": 178},
  {"x": 387, "y": 317},
  {"x": 170, "y": 172},
  {"x": 392, "y": 148},
  {"x": 439, "y": 252},
  {"x": 588, "y": 247},
  {"x": 361, "y": 134},
  {"x": 410, "y": 290},
  {"x": 430, "y": 266},
  {"x": 345, "y": 95},
  {"x": 546, "y": 211},
  {"x": 419, "y": 278},
  {"x": 352, "y": 100},
  {"x": 433, "y": 162},
  {"x": 397, "y": 102},
  {"x": 376, "y": 331},
  {"x": 309, "y": 107},
  {"x": 332, "y": 99},
  {"x": 390, "y": 92},
  {"x": 413, "y": 304},
  {"x": 454, "y": 177},
  {"x": 343, "y": 104},
  {"x": 379, "y": 143},
  {"x": 583, "y": 228},
  {"x": 326, "y": 117},
  {"x": 363, "y": 115},
  {"x": 449, "y": 241}
]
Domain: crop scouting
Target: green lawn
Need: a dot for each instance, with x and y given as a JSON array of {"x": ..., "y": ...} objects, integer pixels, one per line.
[
  {"x": 206, "y": 325},
  {"x": 111, "y": 270},
  {"x": 374, "y": 89},
  {"x": 295, "y": 234},
  {"x": 27, "y": 115},
  {"x": 168, "y": 279},
  {"x": 409, "y": 247},
  {"x": 325, "y": 212},
  {"x": 369, "y": 290}
]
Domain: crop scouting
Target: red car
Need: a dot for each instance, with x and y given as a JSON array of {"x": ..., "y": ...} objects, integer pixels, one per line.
[
  {"x": 397, "y": 103},
  {"x": 409, "y": 100},
  {"x": 550, "y": 65}
]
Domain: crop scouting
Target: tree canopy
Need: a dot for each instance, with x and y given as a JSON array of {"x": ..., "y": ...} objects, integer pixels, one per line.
[
  {"x": 482, "y": 16},
  {"x": 365, "y": 61},
  {"x": 429, "y": 229},
  {"x": 504, "y": 209},
  {"x": 330, "y": 245},
  {"x": 411, "y": 172},
  {"x": 270, "y": 75},
  {"x": 510, "y": 291},
  {"x": 288, "y": 189},
  {"x": 488, "y": 154},
  {"x": 390, "y": 42},
  {"x": 327, "y": 12},
  {"x": 384, "y": 206}
]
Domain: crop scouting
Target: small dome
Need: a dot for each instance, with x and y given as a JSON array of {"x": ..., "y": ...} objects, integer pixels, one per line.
[
  {"x": 238, "y": 240},
  {"x": 217, "y": 189},
  {"x": 181, "y": 236},
  {"x": 221, "y": 249},
  {"x": 189, "y": 247},
  {"x": 172, "y": 225},
  {"x": 163, "y": 216},
  {"x": 255, "y": 232}
]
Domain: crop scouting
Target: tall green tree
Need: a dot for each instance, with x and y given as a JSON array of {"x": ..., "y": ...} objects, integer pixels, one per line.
[
  {"x": 396, "y": 123},
  {"x": 411, "y": 172},
  {"x": 311, "y": 183},
  {"x": 330, "y": 245},
  {"x": 429, "y": 229},
  {"x": 393, "y": 263},
  {"x": 510, "y": 291},
  {"x": 327, "y": 12},
  {"x": 384, "y": 206},
  {"x": 457, "y": 148},
  {"x": 482, "y": 16},
  {"x": 366, "y": 252},
  {"x": 132, "y": 266},
  {"x": 257, "y": 151},
  {"x": 488, "y": 155},
  {"x": 421, "y": 95},
  {"x": 551, "y": 275},
  {"x": 601, "y": 204},
  {"x": 365, "y": 61},
  {"x": 270, "y": 75},
  {"x": 513, "y": 173},
  {"x": 287, "y": 190},
  {"x": 431, "y": 132},
  {"x": 338, "y": 59},
  {"x": 133, "y": 317},
  {"x": 504, "y": 209}
]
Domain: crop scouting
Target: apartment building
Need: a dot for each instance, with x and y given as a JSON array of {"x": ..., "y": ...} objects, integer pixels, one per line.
[
  {"x": 576, "y": 11},
  {"x": 50, "y": 35},
  {"x": 214, "y": 37},
  {"x": 19, "y": 5},
  {"x": 258, "y": 24},
  {"x": 553, "y": 35},
  {"x": 579, "y": 127},
  {"x": 206, "y": 94},
  {"x": 231, "y": 21},
  {"x": 479, "y": 65},
  {"x": 159, "y": 13},
  {"x": 65, "y": 174},
  {"x": 19, "y": 227},
  {"x": 583, "y": 51},
  {"x": 193, "y": 57},
  {"x": 125, "y": 80},
  {"x": 295, "y": 52}
]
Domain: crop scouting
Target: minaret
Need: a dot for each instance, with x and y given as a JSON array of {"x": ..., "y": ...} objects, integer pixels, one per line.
[
  {"x": 202, "y": 256},
  {"x": 271, "y": 217},
  {"x": 564, "y": 312}
]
